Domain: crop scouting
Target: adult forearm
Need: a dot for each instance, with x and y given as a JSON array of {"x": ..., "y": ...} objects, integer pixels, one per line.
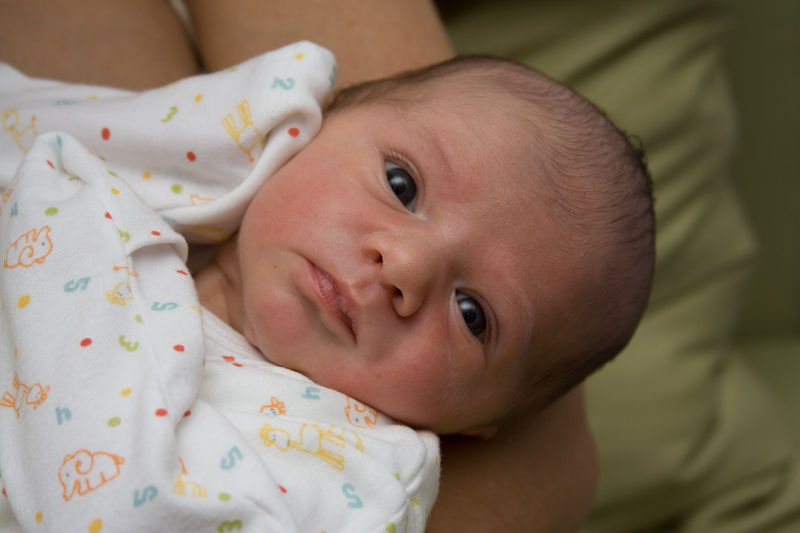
[
  {"x": 538, "y": 475},
  {"x": 370, "y": 39}
]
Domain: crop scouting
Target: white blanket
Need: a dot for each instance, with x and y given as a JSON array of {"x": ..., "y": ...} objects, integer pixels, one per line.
[{"x": 124, "y": 408}]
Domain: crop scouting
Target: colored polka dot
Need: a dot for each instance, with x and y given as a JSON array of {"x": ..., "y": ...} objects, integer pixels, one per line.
[
  {"x": 391, "y": 527},
  {"x": 108, "y": 215},
  {"x": 93, "y": 97},
  {"x": 299, "y": 56},
  {"x": 105, "y": 133},
  {"x": 178, "y": 348},
  {"x": 50, "y": 211},
  {"x": 182, "y": 272},
  {"x": 114, "y": 191},
  {"x": 138, "y": 318},
  {"x": 224, "y": 497},
  {"x": 112, "y": 173},
  {"x": 157, "y": 234},
  {"x": 161, "y": 412},
  {"x": 86, "y": 342},
  {"x": 51, "y": 164},
  {"x": 198, "y": 97},
  {"x": 23, "y": 301},
  {"x": 39, "y": 517},
  {"x": 96, "y": 526},
  {"x": 282, "y": 489},
  {"x": 177, "y": 189},
  {"x": 125, "y": 392},
  {"x": 146, "y": 175},
  {"x": 187, "y": 413},
  {"x": 294, "y": 132},
  {"x": 190, "y": 156},
  {"x": 114, "y": 422}
]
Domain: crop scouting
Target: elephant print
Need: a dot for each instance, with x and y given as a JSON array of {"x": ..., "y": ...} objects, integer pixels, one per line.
[{"x": 84, "y": 471}]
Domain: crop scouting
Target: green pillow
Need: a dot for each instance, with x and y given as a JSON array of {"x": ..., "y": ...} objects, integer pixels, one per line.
[{"x": 688, "y": 437}]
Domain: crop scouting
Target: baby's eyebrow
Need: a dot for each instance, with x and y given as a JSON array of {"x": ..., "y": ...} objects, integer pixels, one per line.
[{"x": 430, "y": 143}]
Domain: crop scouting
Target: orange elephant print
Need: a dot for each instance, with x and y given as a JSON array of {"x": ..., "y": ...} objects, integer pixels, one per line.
[
  {"x": 29, "y": 249},
  {"x": 84, "y": 471}
]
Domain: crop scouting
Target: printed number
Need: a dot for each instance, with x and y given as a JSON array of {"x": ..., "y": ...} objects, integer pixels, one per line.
[
  {"x": 75, "y": 284},
  {"x": 168, "y": 306},
  {"x": 283, "y": 84},
  {"x": 62, "y": 414},
  {"x": 311, "y": 393},
  {"x": 350, "y": 493},
  {"x": 229, "y": 462},
  {"x": 148, "y": 494},
  {"x": 130, "y": 346},
  {"x": 230, "y": 525}
]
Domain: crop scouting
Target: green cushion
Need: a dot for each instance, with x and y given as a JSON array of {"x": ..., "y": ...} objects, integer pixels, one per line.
[{"x": 688, "y": 435}]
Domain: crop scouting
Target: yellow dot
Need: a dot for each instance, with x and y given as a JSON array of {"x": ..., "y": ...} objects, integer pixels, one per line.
[
  {"x": 50, "y": 211},
  {"x": 39, "y": 517},
  {"x": 414, "y": 502},
  {"x": 391, "y": 527},
  {"x": 96, "y": 526},
  {"x": 299, "y": 56},
  {"x": 146, "y": 175},
  {"x": 114, "y": 191},
  {"x": 198, "y": 97},
  {"x": 23, "y": 301},
  {"x": 114, "y": 422},
  {"x": 224, "y": 497},
  {"x": 126, "y": 392},
  {"x": 93, "y": 97}
]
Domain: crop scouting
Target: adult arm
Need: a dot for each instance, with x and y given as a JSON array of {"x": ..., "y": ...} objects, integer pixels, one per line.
[
  {"x": 369, "y": 39},
  {"x": 537, "y": 475}
]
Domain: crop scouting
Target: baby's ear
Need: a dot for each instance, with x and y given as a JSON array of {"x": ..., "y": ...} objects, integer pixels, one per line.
[{"x": 486, "y": 432}]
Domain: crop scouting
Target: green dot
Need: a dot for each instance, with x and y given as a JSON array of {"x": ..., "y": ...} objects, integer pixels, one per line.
[
  {"x": 224, "y": 497},
  {"x": 138, "y": 318},
  {"x": 391, "y": 527},
  {"x": 114, "y": 422},
  {"x": 177, "y": 189},
  {"x": 50, "y": 211}
]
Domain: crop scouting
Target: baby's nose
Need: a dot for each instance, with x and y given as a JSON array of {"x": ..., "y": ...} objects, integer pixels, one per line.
[{"x": 408, "y": 268}]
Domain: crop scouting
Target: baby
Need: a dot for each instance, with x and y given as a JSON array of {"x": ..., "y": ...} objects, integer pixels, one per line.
[
  {"x": 459, "y": 245},
  {"x": 456, "y": 247}
]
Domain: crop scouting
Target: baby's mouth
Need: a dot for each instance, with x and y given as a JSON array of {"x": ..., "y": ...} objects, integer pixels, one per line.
[{"x": 331, "y": 299}]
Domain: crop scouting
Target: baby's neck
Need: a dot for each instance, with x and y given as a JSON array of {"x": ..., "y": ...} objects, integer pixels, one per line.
[{"x": 217, "y": 286}]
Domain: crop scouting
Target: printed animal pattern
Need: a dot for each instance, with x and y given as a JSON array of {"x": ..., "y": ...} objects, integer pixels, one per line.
[
  {"x": 122, "y": 330},
  {"x": 312, "y": 440},
  {"x": 31, "y": 396},
  {"x": 30, "y": 248},
  {"x": 23, "y": 136},
  {"x": 85, "y": 471}
]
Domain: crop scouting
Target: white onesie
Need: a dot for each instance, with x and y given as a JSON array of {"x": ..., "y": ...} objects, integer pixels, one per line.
[{"x": 125, "y": 406}]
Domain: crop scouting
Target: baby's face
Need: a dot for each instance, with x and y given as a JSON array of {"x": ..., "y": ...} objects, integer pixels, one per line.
[{"x": 394, "y": 261}]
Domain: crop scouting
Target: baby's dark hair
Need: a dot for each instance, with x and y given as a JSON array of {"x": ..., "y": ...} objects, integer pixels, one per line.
[{"x": 590, "y": 178}]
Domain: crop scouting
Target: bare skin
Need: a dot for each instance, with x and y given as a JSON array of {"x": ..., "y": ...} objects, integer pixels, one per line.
[{"x": 548, "y": 456}]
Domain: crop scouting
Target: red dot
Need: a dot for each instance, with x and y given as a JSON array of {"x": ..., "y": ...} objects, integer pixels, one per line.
[
  {"x": 187, "y": 413},
  {"x": 182, "y": 272},
  {"x": 238, "y": 364},
  {"x": 106, "y": 133},
  {"x": 282, "y": 489},
  {"x": 51, "y": 165},
  {"x": 294, "y": 132},
  {"x": 228, "y": 357},
  {"x": 190, "y": 156},
  {"x": 86, "y": 342},
  {"x": 161, "y": 412},
  {"x": 178, "y": 348},
  {"x": 157, "y": 234},
  {"x": 108, "y": 215}
]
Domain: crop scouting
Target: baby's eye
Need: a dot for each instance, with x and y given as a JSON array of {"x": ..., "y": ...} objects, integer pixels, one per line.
[
  {"x": 473, "y": 315},
  {"x": 402, "y": 185}
]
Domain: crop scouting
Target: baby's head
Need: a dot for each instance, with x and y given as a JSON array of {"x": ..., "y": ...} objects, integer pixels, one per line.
[{"x": 458, "y": 246}]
